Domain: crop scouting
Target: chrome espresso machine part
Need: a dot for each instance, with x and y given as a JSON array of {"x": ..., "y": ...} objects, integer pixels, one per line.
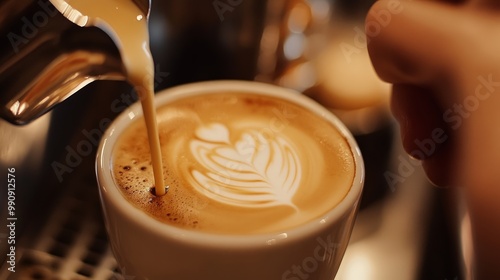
[{"x": 47, "y": 57}]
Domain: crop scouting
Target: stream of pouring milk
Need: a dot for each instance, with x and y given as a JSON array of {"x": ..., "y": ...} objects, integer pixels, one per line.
[{"x": 127, "y": 25}]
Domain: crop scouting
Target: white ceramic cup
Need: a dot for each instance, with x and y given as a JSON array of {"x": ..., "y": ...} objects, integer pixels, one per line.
[{"x": 146, "y": 248}]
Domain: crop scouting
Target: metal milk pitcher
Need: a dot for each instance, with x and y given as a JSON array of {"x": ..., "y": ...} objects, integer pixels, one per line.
[{"x": 45, "y": 56}]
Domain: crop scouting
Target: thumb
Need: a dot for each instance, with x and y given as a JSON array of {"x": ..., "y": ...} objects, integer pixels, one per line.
[{"x": 412, "y": 41}]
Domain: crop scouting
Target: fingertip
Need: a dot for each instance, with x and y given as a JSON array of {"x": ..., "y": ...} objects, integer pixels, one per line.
[
  {"x": 404, "y": 42},
  {"x": 389, "y": 45},
  {"x": 438, "y": 168}
]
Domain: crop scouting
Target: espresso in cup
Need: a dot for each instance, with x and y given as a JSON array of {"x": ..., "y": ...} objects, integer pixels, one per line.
[{"x": 236, "y": 163}]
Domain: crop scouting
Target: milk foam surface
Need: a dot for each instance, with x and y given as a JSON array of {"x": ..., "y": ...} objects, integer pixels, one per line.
[
  {"x": 255, "y": 171},
  {"x": 237, "y": 163}
]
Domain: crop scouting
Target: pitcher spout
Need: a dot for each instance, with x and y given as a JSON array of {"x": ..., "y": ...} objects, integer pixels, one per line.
[{"x": 49, "y": 56}]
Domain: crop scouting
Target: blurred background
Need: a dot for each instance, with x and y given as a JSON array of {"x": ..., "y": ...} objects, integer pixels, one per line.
[{"x": 405, "y": 229}]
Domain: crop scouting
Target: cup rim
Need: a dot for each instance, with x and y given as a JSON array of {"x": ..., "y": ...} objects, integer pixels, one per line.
[{"x": 108, "y": 188}]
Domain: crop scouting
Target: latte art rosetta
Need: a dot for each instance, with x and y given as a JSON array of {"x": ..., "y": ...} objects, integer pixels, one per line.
[{"x": 256, "y": 171}]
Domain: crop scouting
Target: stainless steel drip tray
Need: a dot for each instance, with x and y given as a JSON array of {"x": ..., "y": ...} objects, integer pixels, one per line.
[{"x": 71, "y": 244}]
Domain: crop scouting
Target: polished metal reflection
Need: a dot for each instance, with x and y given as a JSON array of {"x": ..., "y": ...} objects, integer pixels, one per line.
[{"x": 47, "y": 58}]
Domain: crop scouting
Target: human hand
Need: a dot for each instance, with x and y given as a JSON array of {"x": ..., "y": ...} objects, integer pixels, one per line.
[{"x": 444, "y": 61}]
